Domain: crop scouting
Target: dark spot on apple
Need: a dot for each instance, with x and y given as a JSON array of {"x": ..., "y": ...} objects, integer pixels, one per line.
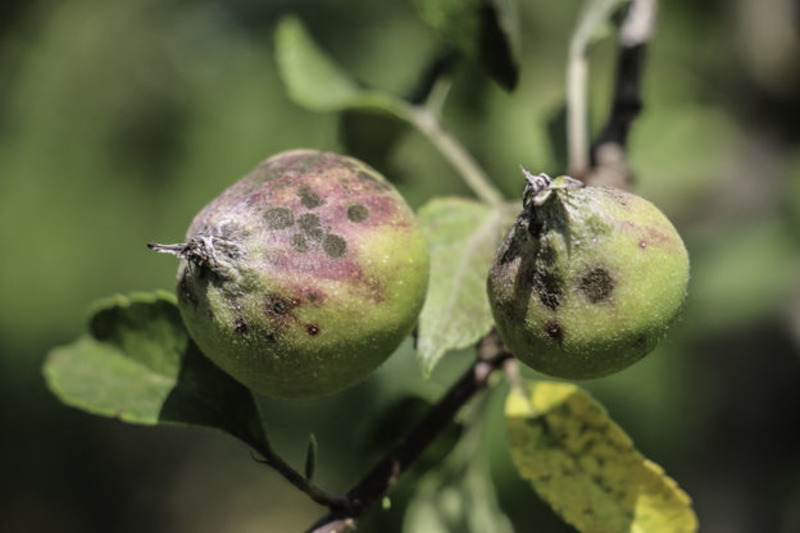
[
  {"x": 315, "y": 234},
  {"x": 185, "y": 291},
  {"x": 240, "y": 326},
  {"x": 277, "y": 305},
  {"x": 308, "y": 197},
  {"x": 554, "y": 331},
  {"x": 643, "y": 244},
  {"x": 312, "y": 329},
  {"x": 597, "y": 285},
  {"x": 358, "y": 213},
  {"x": 308, "y": 222},
  {"x": 230, "y": 231},
  {"x": 279, "y": 218},
  {"x": 513, "y": 250},
  {"x": 640, "y": 341},
  {"x": 548, "y": 285},
  {"x": 334, "y": 246},
  {"x": 299, "y": 243}
]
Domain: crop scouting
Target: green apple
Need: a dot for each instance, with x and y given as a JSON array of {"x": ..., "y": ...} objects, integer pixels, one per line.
[
  {"x": 300, "y": 279},
  {"x": 588, "y": 280}
]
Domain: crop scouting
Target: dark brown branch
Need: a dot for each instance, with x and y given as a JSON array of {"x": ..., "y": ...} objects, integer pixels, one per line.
[
  {"x": 627, "y": 100},
  {"x": 385, "y": 473},
  {"x": 609, "y": 160}
]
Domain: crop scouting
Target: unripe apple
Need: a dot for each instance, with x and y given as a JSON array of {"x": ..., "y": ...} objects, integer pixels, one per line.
[
  {"x": 304, "y": 276},
  {"x": 588, "y": 280}
]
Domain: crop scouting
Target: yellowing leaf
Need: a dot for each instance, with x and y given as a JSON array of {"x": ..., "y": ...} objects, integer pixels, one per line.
[{"x": 582, "y": 463}]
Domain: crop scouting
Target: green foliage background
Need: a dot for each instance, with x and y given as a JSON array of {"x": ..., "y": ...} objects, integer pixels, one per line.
[{"x": 119, "y": 120}]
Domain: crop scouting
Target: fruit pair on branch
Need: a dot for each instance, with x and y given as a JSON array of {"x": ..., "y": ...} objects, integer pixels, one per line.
[{"x": 303, "y": 277}]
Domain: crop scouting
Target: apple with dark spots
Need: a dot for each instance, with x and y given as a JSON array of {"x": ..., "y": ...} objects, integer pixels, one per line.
[
  {"x": 588, "y": 280},
  {"x": 303, "y": 277}
]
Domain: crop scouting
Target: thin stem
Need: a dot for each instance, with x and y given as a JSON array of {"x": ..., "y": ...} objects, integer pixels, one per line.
[
  {"x": 474, "y": 176},
  {"x": 594, "y": 15},
  {"x": 577, "y": 116}
]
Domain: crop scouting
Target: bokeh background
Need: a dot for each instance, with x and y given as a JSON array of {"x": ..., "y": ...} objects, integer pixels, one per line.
[{"x": 119, "y": 120}]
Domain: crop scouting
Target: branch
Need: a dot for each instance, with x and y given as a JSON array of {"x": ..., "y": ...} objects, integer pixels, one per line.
[
  {"x": 385, "y": 473},
  {"x": 609, "y": 160}
]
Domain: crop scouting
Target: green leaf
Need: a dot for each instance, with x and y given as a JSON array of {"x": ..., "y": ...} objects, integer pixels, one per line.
[
  {"x": 314, "y": 80},
  {"x": 463, "y": 236},
  {"x": 138, "y": 364},
  {"x": 486, "y": 31},
  {"x": 582, "y": 463}
]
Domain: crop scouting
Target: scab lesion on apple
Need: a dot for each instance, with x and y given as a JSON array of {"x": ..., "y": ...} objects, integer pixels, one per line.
[
  {"x": 304, "y": 218},
  {"x": 571, "y": 292}
]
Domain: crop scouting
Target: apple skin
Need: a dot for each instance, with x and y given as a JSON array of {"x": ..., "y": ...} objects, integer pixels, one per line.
[
  {"x": 588, "y": 282},
  {"x": 300, "y": 279}
]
